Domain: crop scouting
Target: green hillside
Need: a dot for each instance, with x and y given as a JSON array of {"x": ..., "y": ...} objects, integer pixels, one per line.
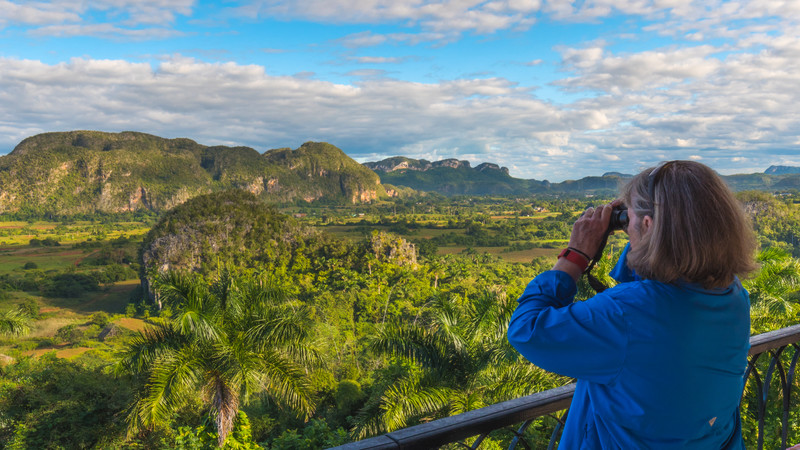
[
  {"x": 81, "y": 172},
  {"x": 320, "y": 169}
]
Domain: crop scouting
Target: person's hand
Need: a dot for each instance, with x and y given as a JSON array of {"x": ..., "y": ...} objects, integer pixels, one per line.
[{"x": 590, "y": 229}]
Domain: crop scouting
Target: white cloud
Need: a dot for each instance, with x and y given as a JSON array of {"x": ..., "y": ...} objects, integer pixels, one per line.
[
  {"x": 107, "y": 31},
  {"x": 733, "y": 104},
  {"x": 80, "y": 17},
  {"x": 440, "y": 20},
  {"x": 183, "y": 97},
  {"x": 146, "y": 11},
  {"x": 35, "y": 13},
  {"x": 363, "y": 39},
  {"x": 377, "y": 60}
]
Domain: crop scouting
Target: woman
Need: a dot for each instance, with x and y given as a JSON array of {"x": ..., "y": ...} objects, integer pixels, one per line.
[{"x": 659, "y": 358}]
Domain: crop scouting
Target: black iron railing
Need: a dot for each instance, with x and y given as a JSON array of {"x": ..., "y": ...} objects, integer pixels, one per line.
[{"x": 470, "y": 429}]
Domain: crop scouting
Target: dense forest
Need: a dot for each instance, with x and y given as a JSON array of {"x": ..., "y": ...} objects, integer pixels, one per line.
[{"x": 229, "y": 322}]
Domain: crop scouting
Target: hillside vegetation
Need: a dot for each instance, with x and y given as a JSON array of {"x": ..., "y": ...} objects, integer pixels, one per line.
[{"x": 82, "y": 172}]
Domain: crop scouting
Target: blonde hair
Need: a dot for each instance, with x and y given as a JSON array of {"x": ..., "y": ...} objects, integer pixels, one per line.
[{"x": 699, "y": 231}]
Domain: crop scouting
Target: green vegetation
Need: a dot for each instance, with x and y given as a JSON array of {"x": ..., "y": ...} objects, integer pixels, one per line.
[
  {"x": 296, "y": 326},
  {"x": 222, "y": 344},
  {"x": 56, "y": 175}
]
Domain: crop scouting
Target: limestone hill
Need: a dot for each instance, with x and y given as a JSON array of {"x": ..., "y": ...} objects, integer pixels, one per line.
[{"x": 89, "y": 171}]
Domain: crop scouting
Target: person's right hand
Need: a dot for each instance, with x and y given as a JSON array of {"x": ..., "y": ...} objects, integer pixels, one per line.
[{"x": 590, "y": 229}]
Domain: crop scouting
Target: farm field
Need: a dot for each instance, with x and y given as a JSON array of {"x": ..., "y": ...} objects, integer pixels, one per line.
[{"x": 76, "y": 279}]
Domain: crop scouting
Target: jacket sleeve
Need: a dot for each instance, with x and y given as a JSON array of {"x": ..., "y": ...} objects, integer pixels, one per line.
[{"x": 586, "y": 340}]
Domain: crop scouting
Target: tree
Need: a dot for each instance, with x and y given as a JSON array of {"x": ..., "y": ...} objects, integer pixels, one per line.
[
  {"x": 50, "y": 402},
  {"x": 225, "y": 341},
  {"x": 774, "y": 291},
  {"x": 454, "y": 359}
]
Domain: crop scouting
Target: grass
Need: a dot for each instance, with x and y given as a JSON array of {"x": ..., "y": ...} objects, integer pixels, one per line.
[
  {"x": 12, "y": 259},
  {"x": 524, "y": 256},
  {"x": 112, "y": 300},
  {"x": 16, "y": 233},
  {"x": 131, "y": 323},
  {"x": 47, "y": 327}
]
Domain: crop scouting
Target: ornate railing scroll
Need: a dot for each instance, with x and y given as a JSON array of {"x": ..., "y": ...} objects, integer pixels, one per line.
[{"x": 514, "y": 417}]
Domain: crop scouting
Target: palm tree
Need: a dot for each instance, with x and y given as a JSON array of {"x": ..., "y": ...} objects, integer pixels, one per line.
[
  {"x": 774, "y": 291},
  {"x": 224, "y": 342},
  {"x": 454, "y": 359},
  {"x": 14, "y": 322}
]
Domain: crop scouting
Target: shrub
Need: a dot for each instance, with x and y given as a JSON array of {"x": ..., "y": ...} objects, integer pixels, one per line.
[
  {"x": 100, "y": 318},
  {"x": 46, "y": 343},
  {"x": 30, "y": 307},
  {"x": 70, "y": 285},
  {"x": 50, "y": 242},
  {"x": 70, "y": 334}
]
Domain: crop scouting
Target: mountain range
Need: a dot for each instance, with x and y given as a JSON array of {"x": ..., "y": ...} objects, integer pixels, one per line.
[
  {"x": 90, "y": 171},
  {"x": 451, "y": 176},
  {"x": 81, "y": 172}
]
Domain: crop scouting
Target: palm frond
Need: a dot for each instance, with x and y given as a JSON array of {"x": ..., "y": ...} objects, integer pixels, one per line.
[
  {"x": 461, "y": 402},
  {"x": 14, "y": 322},
  {"x": 415, "y": 343},
  {"x": 146, "y": 347},
  {"x": 505, "y": 382},
  {"x": 172, "y": 380},
  {"x": 280, "y": 326},
  {"x": 191, "y": 322},
  {"x": 286, "y": 382},
  {"x": 407, "y": 399}
]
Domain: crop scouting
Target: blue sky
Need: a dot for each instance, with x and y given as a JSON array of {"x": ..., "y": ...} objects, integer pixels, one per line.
[{"x": 551, "y": 89}]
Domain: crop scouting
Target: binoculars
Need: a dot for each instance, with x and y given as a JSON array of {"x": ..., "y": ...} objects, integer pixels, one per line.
[{"x": 619, "y": 218}]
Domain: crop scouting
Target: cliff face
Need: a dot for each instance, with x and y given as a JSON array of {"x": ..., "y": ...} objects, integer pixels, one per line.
[
  {"x": 88, "y": 171},
  {"x": 316, "y": 169},
  {"x": 452, "y": 177},
  {"x": 402, "y": 163}
]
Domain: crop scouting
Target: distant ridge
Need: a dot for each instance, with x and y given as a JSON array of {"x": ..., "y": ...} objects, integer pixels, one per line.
[
  {"x": 782, "y": 170},
  {"x": 455, "y": 177},
  {"x": 452, "y": 177},
  {"x": 617, "y": 174}
]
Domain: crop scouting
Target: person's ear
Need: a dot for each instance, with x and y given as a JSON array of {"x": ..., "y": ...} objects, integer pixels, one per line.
[{"x": 647, "y": 222}]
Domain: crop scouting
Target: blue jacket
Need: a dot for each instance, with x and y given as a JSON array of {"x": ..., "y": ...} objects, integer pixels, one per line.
[{"x": 658, "y": 365}]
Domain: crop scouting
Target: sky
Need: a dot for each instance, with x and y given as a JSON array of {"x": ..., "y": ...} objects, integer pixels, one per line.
[{"x": 551, "y": 89}]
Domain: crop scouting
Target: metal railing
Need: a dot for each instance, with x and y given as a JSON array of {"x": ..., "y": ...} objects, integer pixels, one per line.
[{"x": 515, "y": 416}]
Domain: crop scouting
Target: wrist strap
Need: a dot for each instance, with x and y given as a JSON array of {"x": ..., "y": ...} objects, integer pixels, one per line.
[{"x": 576, "y": 257}]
